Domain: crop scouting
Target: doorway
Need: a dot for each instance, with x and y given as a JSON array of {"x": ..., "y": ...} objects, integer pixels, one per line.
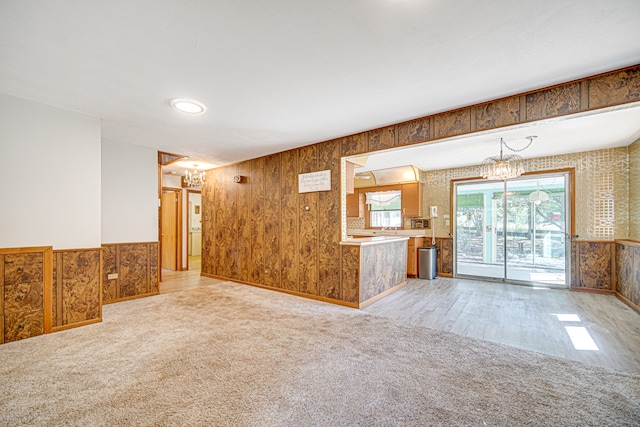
[
  {"x": 194, "y": 227},
  {"x": 169, "y": 228},
  {"x": 514, "y": 231}
]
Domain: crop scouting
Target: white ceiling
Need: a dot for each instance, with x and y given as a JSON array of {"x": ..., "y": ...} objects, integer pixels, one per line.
[{"x": 280, "y": 74}]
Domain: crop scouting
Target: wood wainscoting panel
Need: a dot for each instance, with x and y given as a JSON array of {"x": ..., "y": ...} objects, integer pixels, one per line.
[
  {"x": 1, "y": 298},
  {"x": 153, "y": 266},
  {"x": 77, "y": 288},
  {"x": 307, "y": 210},
  {"x": 273, "y": 236},
  {"x": 628, "y": 271},
  {"x": 383, "y": 138},
  {"x": 350, "y": 259},
  {"x": 592, "y": 268},
  {"x": 444, "y": 260},
  {"x": 503, "y": 112},
  {"x": 329, "y": 214},
  {"x": 25, "y": 292},
  {"x": 414, "y": 131},
  {"x": 612, "y": 89},
  {"x": 109, "y": 266},
  {"x": 289, "y": 221},
  {"x": 21, "y": 325},
  {"x": 135, "y": 270}
]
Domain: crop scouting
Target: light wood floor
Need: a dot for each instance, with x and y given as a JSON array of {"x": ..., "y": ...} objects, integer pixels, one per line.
[
  {"x": 521, "y": 316},
  {"x": 516, "y": 316}
]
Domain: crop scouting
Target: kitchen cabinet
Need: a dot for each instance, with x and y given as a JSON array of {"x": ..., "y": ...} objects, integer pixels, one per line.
[
  {"x": 25, "y": 291},
  {"x": 412, "y": 200},
  {"x": 412, "y": 256},
  {"x": 353, "y": 204}
]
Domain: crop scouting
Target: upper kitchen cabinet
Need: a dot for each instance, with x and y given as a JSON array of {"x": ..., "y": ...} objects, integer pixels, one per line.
[
  {"x": 353, "y": 204},
  {"x": 412, "y": 200}
]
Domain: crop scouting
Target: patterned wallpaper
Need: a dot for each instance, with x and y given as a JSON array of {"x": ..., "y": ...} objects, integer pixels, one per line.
[
  {"x": 602, "y": 190},
  {"x": 634, "y": 191}
]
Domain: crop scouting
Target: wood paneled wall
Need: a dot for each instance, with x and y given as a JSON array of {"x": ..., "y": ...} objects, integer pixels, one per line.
[
  {"x": 136, "y": 266},
  {"x": 259, "y": 231},
  {"x": 77, "y": 294},
  {"x": 262, "y": 231}
]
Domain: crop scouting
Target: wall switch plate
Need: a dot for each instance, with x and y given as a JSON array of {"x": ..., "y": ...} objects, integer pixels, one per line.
[
  {"x": 445, "y": 216},
  {"x": 112, "y": 276}
]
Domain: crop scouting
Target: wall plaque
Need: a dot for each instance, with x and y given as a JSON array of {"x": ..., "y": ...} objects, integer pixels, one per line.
[{"x": 314, "y": 181}]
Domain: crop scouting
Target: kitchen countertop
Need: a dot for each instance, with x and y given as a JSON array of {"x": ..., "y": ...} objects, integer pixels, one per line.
[
  {"x": 375, "y": 240},
  {"x": 376, "y": 233}
]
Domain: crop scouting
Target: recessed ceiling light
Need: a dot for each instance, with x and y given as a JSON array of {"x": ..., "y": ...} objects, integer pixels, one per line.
[{"x": 188, "y": 106}]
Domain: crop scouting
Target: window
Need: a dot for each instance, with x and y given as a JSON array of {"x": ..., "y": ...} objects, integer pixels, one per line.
[{"x": 385, "y": 208}]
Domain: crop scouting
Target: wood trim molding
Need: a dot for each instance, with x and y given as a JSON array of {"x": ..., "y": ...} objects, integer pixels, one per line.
[
  {"x": 284, "y": 291},
  {"x": 381, "y": 295},
  {"x": 629, "y": 303},
  {"x": 592, "y": 291}
]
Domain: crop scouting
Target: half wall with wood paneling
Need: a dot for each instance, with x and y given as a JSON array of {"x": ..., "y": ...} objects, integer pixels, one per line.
[{"x": 129, "y": 270}]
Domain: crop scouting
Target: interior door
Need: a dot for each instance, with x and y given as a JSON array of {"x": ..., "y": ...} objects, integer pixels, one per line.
[{"x": 169, "y": 229}]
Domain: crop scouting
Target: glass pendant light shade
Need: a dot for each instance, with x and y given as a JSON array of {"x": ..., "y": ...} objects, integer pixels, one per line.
[
  {"x": 499, "y": 168},
  {"x": 502, "y": 167}
]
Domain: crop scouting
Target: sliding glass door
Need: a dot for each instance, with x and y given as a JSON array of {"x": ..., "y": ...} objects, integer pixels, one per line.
[{"x": 513, "y": 231}]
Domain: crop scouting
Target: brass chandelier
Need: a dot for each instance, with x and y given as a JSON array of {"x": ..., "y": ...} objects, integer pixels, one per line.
[{"x": 194, "y": 178}]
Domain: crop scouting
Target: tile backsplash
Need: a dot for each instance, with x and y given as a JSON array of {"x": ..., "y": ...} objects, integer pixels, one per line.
[{"x": 355, "y": 223}]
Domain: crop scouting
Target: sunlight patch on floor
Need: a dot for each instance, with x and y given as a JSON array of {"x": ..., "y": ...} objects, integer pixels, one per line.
[{"x": 580, "y": 338}]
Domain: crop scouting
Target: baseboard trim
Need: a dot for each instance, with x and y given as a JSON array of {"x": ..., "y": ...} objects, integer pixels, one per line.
[
  {"x": 626, "y": 301},
  {"x": 285, "y": 291},
  {"x": 593, "y": 291},
  {"x": 382, "y": 295},
  {"x": 75, "y": 325},
  {"x": 131, "y": 298}
]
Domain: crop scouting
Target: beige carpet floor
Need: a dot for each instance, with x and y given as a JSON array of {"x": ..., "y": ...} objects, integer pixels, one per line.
[{"x": 234, "y": 355}]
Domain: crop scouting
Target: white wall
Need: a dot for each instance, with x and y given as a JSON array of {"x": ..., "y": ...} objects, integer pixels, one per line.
[
  {"x": 50, "y": 170},
  {"x": 129, "y": 193}
]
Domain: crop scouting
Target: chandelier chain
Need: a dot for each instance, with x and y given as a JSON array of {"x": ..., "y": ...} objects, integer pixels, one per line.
[{"x": 530, "y": 138}]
